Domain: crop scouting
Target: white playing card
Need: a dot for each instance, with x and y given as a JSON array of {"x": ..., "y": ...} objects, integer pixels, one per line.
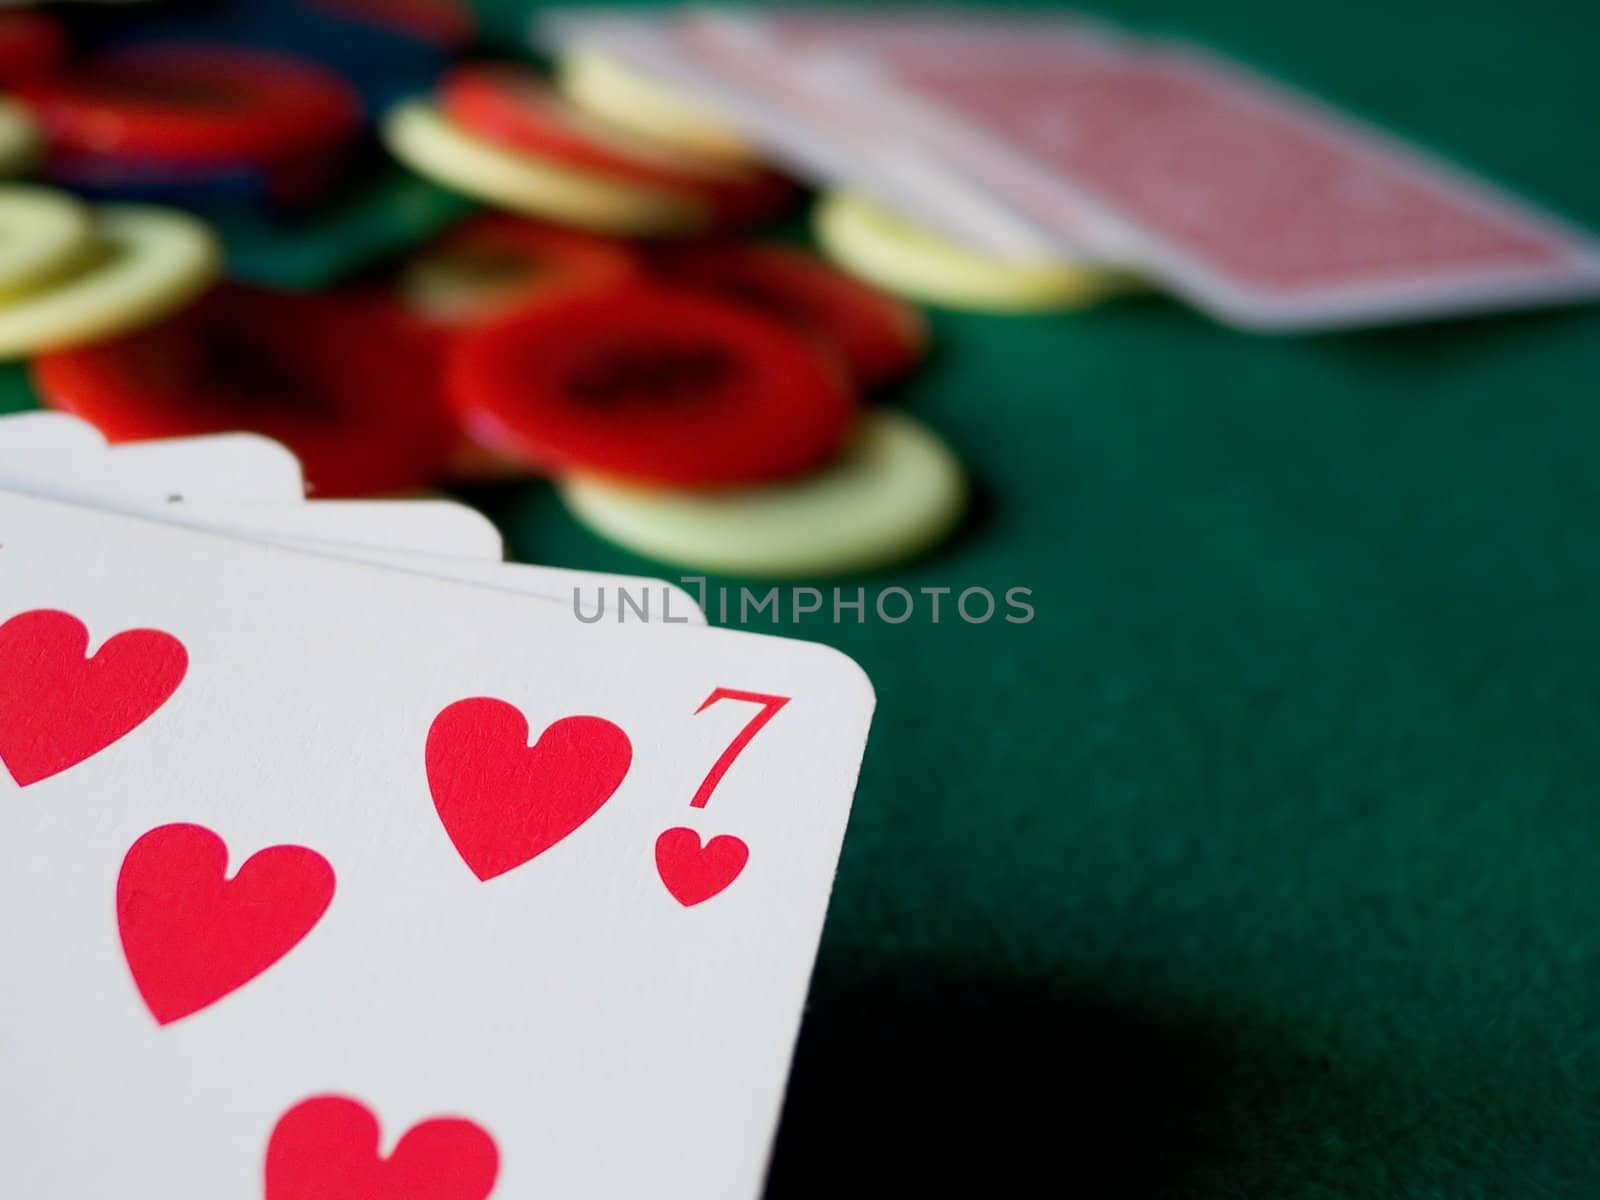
[
  {"x": 229, "y": 466},
  {"x": 32, "y": 435},
  {"x": 225, "y": 466},
  {"x": 418, "y": 535},
  {"x": 590, "y": 596},
  {"x": 431, "y": 537},
  {"x": 438, "y": 538},
  {"x": 429, "y": 527},
  {"x": 556, "y": 968}
]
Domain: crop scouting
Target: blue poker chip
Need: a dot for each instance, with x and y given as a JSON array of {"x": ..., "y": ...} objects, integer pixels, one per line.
[
  {"x": 160, "y": 183},
  {"x": 385, "y": 63},
  {"x": 450, "y": 26}
]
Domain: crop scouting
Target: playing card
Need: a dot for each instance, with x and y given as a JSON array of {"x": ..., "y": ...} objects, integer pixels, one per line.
[
  {"x": 429, "y": 537},
  {"x": 33, "y": 435},
  {"x": 1261, "y": 206},
  {"x": 229, "y": 466},
  {"x": 432, "y": 537},
  {"x": 428, "y": 527},
  {"x": 819, "y": 58},
  {"x": 425, "y": 536},
  {"x": 1040, "y": 134},
  {"x": 438, "y": 538},
  {"x": 734, "y": 66},
  {"x": 590, "y": 596},
  {"x": 307, "y": 915}
]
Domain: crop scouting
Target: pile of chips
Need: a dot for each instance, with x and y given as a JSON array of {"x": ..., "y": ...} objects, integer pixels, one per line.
[
  {"x": 71, "y": 273},
  {"x": 696, "y": 395}
]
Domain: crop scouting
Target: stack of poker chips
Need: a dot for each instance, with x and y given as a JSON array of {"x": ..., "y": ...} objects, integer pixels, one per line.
[{"x": 696, "y": 394}]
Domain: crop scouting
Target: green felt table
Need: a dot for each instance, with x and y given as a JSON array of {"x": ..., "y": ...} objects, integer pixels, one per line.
[{"x": 1265, "y": 861}]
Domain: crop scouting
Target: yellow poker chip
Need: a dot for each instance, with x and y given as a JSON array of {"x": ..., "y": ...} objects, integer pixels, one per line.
[
  {"x": 612, "y": 91},
  {"x": 915, "y": 262},
  {"x": 893, "y": 492},
  {"x": 20, "y": 140},
  {"x": 151, "y": 262},
  {"x": 433, "y": 145},
  {"x": 44, "y": 234}
]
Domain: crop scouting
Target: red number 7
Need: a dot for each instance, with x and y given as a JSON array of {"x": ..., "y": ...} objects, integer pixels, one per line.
[{"x": 769, "y": 709}]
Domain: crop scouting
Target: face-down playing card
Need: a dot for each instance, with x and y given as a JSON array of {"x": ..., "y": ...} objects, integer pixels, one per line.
[
  {"x": 1262, "y": 206},
  {"x": 327, "y": 880},
  {"x": 743, "y": 66}
]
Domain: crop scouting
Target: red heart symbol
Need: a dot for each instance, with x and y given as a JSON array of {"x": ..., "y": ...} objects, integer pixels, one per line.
[
  {"x": 326, "y": 1148},
  {"x": 502, "y": 801},
  {"x": 58, "y": 705},
  {"x": 192, "y": 936},
  {"x": 694, "y": 873}
]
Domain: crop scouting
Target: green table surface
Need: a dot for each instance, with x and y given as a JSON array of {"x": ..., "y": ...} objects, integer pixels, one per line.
[{"x": 1265, "y": 861}]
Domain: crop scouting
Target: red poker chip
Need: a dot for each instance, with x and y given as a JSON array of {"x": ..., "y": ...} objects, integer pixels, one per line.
[
  {"x": 878, "y": 336},
  {"x": 447, "y": 24},
  {"x": 508, "y": 261},
  {"x": 650, "y": 384},
  {"x": 342, "y": 381},
  {"x": 31, "y": 44},
  {"x": 514, "y": 108},
  {"x": 428, "y": 339},
  {"x": 201, "y": 104}
]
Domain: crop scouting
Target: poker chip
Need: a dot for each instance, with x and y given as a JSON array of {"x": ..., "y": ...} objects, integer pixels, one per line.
[
  {"x": 878, "y": 336},
  {"x": 494, "y": 262},
  {"x": 31, "y": 43},
  {"x": 195, "y": 103},
  {"x": 427, "y": 337},
  {"x": 611, "y": 90},
  {"x": 428, "y": 142},
  {"x": 339, "y": 381},
  {"x": 471, "y": 463},
  {"x": 914, "y": 262},
  {"x": 283, "y": 185},
  {"x": 384, "y": 50},
  {"x": 445, "y": 24},
  {"x": 43, "y": 235},
  {"x": 20, "y": 140},
  {"x": 382, "y": 218},
  {"x": 513, "y": 107},
  {"x": 649, "y": 384},
  {"x": 151, "y": 262},
  {"x": 892, "y": 493}
]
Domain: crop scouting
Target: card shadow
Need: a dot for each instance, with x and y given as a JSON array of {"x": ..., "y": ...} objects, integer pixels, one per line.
[{"x": 919, "y": 1080}]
